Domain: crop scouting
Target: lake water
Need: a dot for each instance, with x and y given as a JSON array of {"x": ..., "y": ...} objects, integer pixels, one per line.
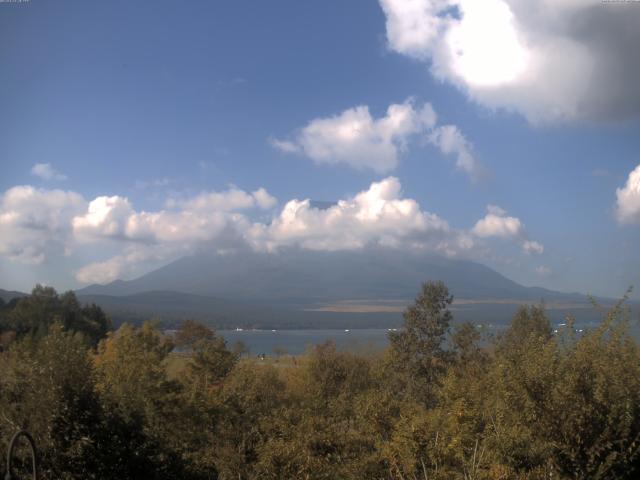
[{"x": 296, "y": 341}]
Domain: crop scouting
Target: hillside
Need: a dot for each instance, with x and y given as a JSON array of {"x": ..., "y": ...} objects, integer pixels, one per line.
[
  {"x": 319, "y": 290},
  {"x": 308, "y": 278},
  {"x": 7, "y": 295}
]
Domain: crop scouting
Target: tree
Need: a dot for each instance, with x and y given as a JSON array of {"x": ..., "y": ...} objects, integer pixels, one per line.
[
  {"x": 130, "y": 369},
  {"x": 210, "y": 359},
  {"x": 191, "y": 333},
  {"x": 249, "y": 397},
  {"x": 34, "y": 315},
  {"x": 529, "y": 324},
  {"x": 417, "y": 351},
  {"x": 131, "y": 378},
  {"x": 46, "y": 387},
  {"x": 240, "y": 348}
]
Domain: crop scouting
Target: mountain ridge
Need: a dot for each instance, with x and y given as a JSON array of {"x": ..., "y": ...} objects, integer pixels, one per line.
[
  {"x": 7, "y": 295},
  {"x": 312, "y": 277}
]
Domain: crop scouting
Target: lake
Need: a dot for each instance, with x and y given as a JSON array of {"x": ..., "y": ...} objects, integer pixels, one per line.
[{"x": 295, "y": 341}]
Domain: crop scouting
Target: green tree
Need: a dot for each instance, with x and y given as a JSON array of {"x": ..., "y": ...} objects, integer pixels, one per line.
[
  {"x": 529, "y": 324},
  {"x": 34, "y": 315},
  {"x": 47, "y": 388},
  {"x": 131, "y": 378},
  {"x": 191, "y": 333},
  {"x": 210, "y": 359},
  {"x": 417, "y": 352},
  {"x": 250, "y": 397}
]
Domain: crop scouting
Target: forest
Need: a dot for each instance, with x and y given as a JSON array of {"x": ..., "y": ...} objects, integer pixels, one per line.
[{"x": 440, "y": 402}]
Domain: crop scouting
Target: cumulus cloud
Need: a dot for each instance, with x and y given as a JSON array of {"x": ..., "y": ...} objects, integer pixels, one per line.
[
  {"x": 628, "y": 203},
  {"x": 377, "y": 216},
  {"x": 106, "y": 217},
  {"x": 112, "y": 268},
  {"x": 209, "y": 219},
  {"x": 549, "y": 60},
  {"x": 129, "y": 262},
  {"x": 263, "y": 199},
  {"x": 198, "y": 219},
  {"x": 46, "y": 172},
  {"x": 34, "y": 222},
  {"x": 228, "y": 201},
  {"x": 357, "y": 139},
  {"x": 450, "y": 140},
  {"x": 496, "y": 223}
]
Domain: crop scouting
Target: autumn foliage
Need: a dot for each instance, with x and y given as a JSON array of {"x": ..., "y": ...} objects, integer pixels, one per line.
[{"x": 440, "y": 402}]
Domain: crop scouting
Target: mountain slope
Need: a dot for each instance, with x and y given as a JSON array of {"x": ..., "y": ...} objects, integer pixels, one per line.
[
  {"x": 7, "y": 295},
  {"x": 307, "y": 278}
]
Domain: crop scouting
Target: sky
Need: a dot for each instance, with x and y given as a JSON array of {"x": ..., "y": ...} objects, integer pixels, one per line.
[{"x": 502, "y": 131}]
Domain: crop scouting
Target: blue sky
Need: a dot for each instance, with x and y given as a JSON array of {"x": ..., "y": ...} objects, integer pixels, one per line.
[{"x": 160, "y": 106}]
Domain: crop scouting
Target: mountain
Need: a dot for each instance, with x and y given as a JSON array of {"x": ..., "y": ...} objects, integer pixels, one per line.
[
  {"x": 308, "y": 278},
  {"x": 301, "y": 289},
  {"x": 7, "y": 295}
]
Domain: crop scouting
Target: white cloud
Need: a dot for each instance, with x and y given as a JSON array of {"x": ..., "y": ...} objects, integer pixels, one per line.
[
  {"x": 496, "y": 223},
  {"x": 106, "y": 217},
  {"x": 450, "y": 140},
  {"x": 628, "y": 199},
  {"x": 496, "y": 210},
  {"x": 198, "y": 219},
  {"x": 357, "y": 139},
  {"x": 543, "y": 271},
  {"x": 284, "y": 145},
  {"x": 530, "y": 246},
  {"x": 208, "y": 220},
  {"x": 34, "y": 222},
  {"x": 125, "y": 264},
  {"x": 46, "y": 172},
  {"x": 549, "y": 60},
  {"x": 377, "y": 216},
  {"x": 109, "y": 270},
  {"x": 264, "y": 200},
  {"x": 230, "y": 200}
]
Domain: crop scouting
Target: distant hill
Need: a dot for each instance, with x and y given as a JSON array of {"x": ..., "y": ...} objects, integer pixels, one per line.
[
  {"x": 7, "y": 295},
  {"x": 320, "y": 290},
  {"x": 307, "y": 278},
  {"x": 298, "y": 289}
]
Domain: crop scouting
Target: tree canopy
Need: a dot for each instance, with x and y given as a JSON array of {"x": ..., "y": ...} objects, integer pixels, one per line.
[{"x": 441, "y": 402}]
